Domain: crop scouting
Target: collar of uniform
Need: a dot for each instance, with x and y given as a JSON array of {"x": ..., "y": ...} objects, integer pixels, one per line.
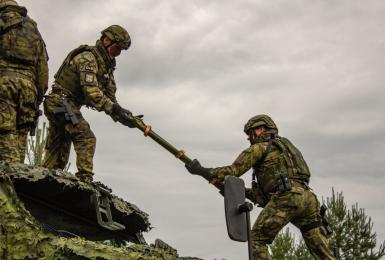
[{"x": 111, "y": 63}]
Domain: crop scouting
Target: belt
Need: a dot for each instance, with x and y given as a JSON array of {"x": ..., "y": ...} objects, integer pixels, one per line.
[
  {"x": 59, "y": 90},
  {"x": 294, "y": 184}
]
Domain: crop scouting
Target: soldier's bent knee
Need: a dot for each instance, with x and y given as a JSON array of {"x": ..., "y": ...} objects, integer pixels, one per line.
[
  {"x": 260, "y": 250},
  {"x": 319, "y": 243}
]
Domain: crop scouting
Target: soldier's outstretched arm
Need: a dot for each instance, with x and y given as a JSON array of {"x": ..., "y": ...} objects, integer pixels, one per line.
[
  {"x": 196, "y": 168},
  {"x": 216, "y": 176},
  {"x": 87, "y": 67},
  {"x": 123, "y": 116},
  {"x": 242, "y": 164},
  {"x": 95, "y": 97}
]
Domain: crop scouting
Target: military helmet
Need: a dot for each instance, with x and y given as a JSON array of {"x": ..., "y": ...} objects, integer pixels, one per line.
[
  {"x": 4, "y": 3},
  {"x": 119, "y": 35},
  {"x": 260, "y": 120}
]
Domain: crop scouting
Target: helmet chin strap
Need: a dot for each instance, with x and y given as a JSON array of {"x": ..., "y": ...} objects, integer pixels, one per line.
[
  {"x": 252, "y": 136},
  {"x": 108, "y": 46}
]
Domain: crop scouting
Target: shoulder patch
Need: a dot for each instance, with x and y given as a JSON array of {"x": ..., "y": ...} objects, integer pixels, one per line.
[{"x": 89, "y": 77}]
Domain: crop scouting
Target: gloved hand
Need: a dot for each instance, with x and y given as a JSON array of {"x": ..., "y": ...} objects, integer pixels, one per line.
[
  {"x": 122, "y": 115},
  {"x": 118, "y": 111},
  {"x": 127, "y": 121},
  {"x": 197, "y": 169}
]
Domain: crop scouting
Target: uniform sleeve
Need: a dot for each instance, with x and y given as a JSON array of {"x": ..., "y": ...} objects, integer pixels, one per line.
[
  {"x": 42, "y": 72},
  {"x": 242, "y": 164},
  {"x": 111, "y": 89},
  {"x": 88, "y": 67}
]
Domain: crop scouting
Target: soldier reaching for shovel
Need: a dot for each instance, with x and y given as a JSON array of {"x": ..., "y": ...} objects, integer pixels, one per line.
[{"x": 280, "y": 185}]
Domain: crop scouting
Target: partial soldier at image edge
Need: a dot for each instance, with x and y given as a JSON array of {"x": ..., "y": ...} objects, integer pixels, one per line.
[{"x": 23, "y": 79}]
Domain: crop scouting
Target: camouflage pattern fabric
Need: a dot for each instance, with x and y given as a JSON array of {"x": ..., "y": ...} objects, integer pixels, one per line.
[
  {"x": 61, "y": 133},
  {"x": 22, "y": 143},
  {"x": 21, "y": 237},
  {"x": 23, "y": 79},
  {"x": 85, "y": 78},
  {"x": 18, "y": 103},
  {"x": 298, "y": 206}
]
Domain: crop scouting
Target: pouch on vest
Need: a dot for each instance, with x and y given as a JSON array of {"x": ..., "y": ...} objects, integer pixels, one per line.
[
  {"x": 283, "y": 182},
  {"x": 19, "y": 40}
]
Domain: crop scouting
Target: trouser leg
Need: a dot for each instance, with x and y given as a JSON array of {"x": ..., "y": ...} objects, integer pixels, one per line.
[
  {"x": 316, "y": 239},
  {"x": 57, "y": 148},
  {"x": 84, "y": 143},
  {"x": 8, "y": 139},
  {"x": 318, "y": 244},
  {"x": 26, "y": 114},
  {"x": 8, "y": 149},
  {"x": 22, "y": 143},
  {"x": 268, "y": 224}
]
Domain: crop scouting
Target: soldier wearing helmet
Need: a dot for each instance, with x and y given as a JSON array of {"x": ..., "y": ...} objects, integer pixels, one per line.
[
  {"x": 23, "y": 78},
  {"x": 280, "y": 185},
  {"x": 85, "y": 78}
]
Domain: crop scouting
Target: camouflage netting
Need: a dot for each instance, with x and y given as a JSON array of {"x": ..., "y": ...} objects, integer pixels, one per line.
[
  {"x": 22, "y": 237},
  {"x": 58, "y": 199}
]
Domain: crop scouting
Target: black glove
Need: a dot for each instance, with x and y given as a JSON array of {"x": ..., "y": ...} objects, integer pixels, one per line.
[
  {"x": 197, "y": 169},
  {"x": 118, "y": 111},
  {"x": 122, "y": 115},
  {"x": 127, "y": 121}
]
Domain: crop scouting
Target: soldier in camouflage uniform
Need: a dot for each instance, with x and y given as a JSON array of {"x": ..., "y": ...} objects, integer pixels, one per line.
[
  {"x": 85, "y": 78},
  {"x": 23, "y": 78},
  {"x": 280, "y": 186}
]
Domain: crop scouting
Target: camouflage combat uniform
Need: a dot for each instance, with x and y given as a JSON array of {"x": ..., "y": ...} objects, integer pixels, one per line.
[
  {"x": 280, "y": 179},
  {"x": 23, "y": 78},
  {"x": 85, "y": 78}
]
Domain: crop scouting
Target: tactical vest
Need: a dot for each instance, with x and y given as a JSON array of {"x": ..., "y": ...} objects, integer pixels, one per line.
[
  {"x": 19, "y": 38},
  {"x": 68, "y": 78},
  {"x": 280, "y": 156}
]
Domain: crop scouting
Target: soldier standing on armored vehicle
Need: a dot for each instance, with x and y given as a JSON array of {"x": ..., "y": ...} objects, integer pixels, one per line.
[
  {"x": 85, "y": 78},
  {"x": 280, "y": 185},
  {"x": 23, "y": 79}
]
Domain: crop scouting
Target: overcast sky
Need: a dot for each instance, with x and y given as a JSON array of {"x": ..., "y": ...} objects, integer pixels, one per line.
[{"x": 198, "y": 70}]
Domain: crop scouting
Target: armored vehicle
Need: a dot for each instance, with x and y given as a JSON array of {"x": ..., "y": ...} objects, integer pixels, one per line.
[{"x": 50, "y": 214}]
